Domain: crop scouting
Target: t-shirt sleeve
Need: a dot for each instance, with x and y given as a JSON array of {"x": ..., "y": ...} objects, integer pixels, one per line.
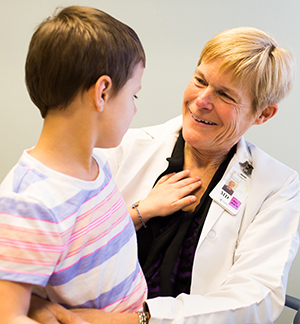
[{"x": 30, "y": 243}]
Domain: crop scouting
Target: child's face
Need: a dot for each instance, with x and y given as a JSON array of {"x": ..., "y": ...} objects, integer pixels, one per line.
[{"x": 120, "y": 110}]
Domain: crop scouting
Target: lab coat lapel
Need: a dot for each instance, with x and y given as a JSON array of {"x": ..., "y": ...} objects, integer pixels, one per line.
[
  {"x": 215, "y": 210},
  {"x": 132, "y": 167}
]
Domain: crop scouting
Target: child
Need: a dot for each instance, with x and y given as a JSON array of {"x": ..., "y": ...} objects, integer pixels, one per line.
[{"x": 65, "y": 232}]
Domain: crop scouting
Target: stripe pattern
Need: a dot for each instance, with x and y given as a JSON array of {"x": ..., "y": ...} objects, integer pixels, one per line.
[{"x": 72, "y": 239}]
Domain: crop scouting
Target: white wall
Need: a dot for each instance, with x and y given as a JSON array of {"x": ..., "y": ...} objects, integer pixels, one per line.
[{"x": 173, "y": 33}]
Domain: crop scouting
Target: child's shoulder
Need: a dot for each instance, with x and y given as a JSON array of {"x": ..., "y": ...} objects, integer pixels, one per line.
[
  {"x": 21, "y": 176},
  {"x": 21, "y": 191},
  {"x": 33, "y": 187},
  {"x": 31, "y": 181}
]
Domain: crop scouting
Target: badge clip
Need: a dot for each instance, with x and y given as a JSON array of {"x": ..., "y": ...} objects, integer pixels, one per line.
[{"x": 247, "y": 168}]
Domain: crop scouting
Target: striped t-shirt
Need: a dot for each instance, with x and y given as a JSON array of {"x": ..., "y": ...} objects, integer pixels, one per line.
[{"x": 72, "y": 239}]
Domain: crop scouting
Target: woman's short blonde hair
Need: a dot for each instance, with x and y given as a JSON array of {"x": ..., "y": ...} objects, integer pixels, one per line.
[{"x": 255, "y": 58}]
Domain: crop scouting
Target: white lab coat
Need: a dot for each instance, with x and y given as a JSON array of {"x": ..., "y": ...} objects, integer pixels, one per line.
[{"x": 242, "y": 262}]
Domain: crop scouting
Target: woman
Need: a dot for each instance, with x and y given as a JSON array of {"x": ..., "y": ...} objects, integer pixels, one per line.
[{"x": 218, "y": 259}]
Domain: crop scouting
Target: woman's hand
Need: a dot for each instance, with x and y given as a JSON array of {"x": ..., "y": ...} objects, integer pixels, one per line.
[
  {"x": 171, "y": 193},
  {"x": 46, "y": 312},
  {"x": 96, "y": 316}
]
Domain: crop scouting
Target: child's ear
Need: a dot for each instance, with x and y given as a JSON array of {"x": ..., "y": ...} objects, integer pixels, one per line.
[
  {"x": 266, "y": 114},
  {"x": 101, "y": 95}
]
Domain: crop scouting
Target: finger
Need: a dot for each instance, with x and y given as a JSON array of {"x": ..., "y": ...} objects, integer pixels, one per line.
[
  {"x": 184, "y": 202},
  {"x": 186, "y": 182},
  {"x": 178, "y": 176},
  {"x": 43, "y": 318},
  {"x": 164, "y": 178},
  {"x": 72, "y": 319},
  {"x": 65, "y": 316},
  {"x": 39, "y": 311}
]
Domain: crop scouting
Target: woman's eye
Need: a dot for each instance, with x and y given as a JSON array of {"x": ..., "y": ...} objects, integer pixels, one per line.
[
  {"x": 226, "y": 96},
  {"x": 201, "y": 81},
  {"x": 135, "y": 97}
]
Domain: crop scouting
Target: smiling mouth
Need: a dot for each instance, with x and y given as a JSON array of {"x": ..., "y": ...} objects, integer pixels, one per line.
[{"x": 206, "y": 122}]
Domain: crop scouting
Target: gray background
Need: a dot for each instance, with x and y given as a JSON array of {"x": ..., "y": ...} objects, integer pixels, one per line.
[{"x": 173, "y": 34}]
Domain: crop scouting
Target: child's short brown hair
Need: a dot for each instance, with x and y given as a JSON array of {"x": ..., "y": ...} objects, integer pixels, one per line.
[{"x": 71, "y": 50}]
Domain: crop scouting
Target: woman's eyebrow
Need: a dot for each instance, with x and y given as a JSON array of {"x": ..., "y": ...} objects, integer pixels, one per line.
[
  {"x": 199, "y": 73},
  {"x": 229, "y": 91}
]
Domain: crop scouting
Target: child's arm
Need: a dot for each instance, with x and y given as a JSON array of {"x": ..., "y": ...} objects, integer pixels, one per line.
[
  {"x": 171, "y": 193},
  {"x": 14, "y": 303}
]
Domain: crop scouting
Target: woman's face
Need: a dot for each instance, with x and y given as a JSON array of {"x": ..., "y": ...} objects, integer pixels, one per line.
[{"x": 216, "y": 110}]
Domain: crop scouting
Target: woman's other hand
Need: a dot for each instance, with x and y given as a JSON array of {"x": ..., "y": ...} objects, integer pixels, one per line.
[{"x": 46, "y": 312}]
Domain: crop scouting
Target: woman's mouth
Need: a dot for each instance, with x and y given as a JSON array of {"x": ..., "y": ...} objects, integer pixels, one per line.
[{"x": 203, "y": 121}]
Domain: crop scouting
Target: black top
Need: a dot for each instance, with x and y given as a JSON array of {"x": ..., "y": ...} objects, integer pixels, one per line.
[{"x": 167, "y": 246}]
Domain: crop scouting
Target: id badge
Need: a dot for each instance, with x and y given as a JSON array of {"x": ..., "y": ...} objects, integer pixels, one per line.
[{"x": 231, "y": 192}]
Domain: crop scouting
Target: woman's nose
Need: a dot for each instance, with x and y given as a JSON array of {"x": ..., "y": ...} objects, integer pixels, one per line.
[{"x": 205, "y": 99}]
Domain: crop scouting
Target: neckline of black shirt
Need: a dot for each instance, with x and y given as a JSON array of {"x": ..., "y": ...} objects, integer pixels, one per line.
[{"x": 160, "y": 242}]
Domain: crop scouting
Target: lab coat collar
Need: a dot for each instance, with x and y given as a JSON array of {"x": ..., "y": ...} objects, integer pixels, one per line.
[{"x": 159, "y": 141}]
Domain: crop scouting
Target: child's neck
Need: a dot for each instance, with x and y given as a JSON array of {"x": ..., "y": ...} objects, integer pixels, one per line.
[{"x": 66, "y": 146}]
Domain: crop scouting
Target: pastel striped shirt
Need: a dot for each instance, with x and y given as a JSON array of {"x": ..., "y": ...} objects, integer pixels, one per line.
[{"x": 72, "y": 239}]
